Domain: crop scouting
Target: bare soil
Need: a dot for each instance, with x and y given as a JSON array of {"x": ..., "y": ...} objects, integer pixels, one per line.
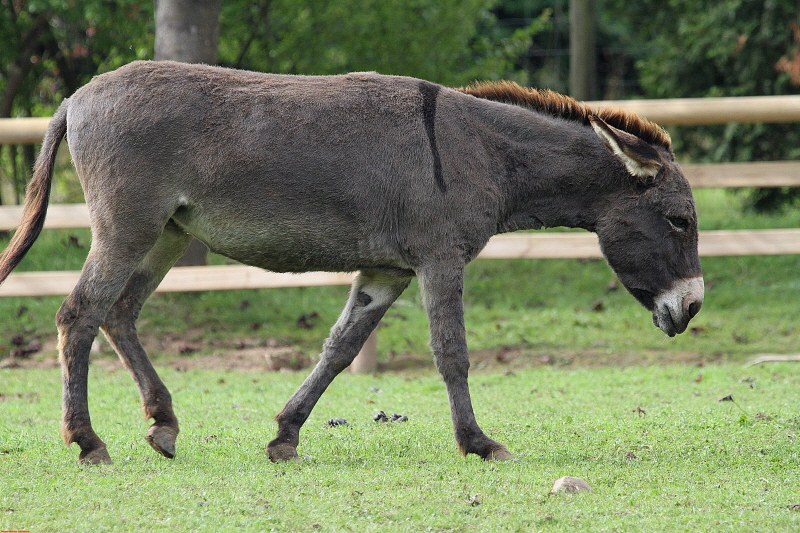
[{"x": 186, "y": 352}]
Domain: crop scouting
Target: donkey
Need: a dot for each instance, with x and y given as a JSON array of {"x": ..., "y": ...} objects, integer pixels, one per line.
[{"x": 393, "y": 177}]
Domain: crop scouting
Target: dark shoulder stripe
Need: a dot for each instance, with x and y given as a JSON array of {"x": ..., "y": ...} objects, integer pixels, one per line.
[{"x": 429, "y": 93}]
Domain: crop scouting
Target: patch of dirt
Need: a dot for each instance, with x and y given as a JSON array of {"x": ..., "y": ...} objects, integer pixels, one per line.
[
  {"x": 189, "y": 351},
  {"x": 182, "y": 352}
]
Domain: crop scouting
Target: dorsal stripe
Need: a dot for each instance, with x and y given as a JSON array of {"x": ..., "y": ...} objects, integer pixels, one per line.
[{"x": 561, "y": 106}]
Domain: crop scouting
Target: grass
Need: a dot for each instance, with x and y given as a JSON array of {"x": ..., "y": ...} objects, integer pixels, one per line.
[{"x": 658, "y": 448}]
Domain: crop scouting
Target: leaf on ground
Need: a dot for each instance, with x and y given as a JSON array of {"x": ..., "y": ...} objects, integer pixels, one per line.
[{"x": 306, "y": 320}]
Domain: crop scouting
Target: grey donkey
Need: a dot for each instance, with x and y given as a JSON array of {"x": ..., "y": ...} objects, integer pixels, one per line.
[{"x": 389, "y": 176}]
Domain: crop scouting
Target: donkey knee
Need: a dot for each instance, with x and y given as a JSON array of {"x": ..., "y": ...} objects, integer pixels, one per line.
[
  {"x": 452, "y": 363},
  {"x": 76, "y": 331},
  {"x": 67, "y": 314},
  {"x": 73, "y": 312}
]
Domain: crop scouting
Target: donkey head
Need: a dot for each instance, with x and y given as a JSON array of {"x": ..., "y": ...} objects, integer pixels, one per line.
[{"x": 648, "y": 230}]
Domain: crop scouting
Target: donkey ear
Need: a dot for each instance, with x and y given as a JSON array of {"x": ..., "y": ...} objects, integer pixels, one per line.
[{"x": 641, "y": 159}]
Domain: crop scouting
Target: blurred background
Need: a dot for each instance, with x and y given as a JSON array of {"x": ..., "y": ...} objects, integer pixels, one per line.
[
  {"x": 590, "y": 49},
  {"x": 617, "y": 50}
]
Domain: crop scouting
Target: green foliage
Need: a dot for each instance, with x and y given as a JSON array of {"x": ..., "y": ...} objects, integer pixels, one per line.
[
  {"x": 55, "y": 46},
  {"x": 652, "y": 49},
  {"x": 659, "y": 450},
  {"x": 680, "y": 49},
  {"x": 49, "y": 48},
  {"x": 726, "y": 48},
  {"x": 450, "y": 41}
]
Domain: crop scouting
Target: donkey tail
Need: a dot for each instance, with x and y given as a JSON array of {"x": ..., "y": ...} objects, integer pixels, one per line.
[{"x": 37, "y": 195}]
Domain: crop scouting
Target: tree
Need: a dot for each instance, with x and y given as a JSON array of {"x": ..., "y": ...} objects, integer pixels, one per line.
[
  {"x": 49, "y": 49},
  {"x": 726, "y": 48},
  {"x": 188, "y": 31},
  {"x": 447, "y": 41}
]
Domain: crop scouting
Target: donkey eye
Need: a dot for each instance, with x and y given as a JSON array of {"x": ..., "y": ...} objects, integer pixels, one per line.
[{"x": 680, "y": 224}]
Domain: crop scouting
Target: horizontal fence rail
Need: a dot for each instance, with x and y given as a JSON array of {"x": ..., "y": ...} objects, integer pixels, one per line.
[
  {"x": 557, "y": 245},
  {"x": 23, "y": 130},
  {"x": 733, "y": 175},
  {"x": 677, "y": 111},
  {"x": 728, "y": 175},
  {"x": 540, "y": 245},
  {"x": 178, "y": 279},
  {"x": 698, "y": 111}
]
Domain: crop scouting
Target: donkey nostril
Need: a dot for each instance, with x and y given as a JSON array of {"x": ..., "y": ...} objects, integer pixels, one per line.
[{"x": 694, "y": 308}]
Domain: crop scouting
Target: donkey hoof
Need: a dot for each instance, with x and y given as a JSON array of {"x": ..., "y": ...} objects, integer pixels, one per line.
[
  {"x": 500, "y": 454},
  {"x": 282, "y": 452},
  {"x": 97, "y": 456},
  {"x": 162, "y": 440}
]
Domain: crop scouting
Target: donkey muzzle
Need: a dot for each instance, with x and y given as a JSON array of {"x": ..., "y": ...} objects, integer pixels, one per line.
[{"x": 675, "y": 307}]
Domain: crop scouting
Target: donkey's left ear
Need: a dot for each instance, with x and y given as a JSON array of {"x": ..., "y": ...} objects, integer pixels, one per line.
[{"x": 641, "y": 159}]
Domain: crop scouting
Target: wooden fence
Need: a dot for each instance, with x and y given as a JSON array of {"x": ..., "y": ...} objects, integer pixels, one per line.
[
  {"x": 537, "y": 245},
  {"x": 680, "y": 111}
]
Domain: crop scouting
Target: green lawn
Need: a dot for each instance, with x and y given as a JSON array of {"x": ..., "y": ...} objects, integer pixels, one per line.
[{"x": 659, "y": 450}]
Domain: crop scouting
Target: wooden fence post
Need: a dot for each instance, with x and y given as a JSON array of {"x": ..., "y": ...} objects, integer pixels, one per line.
[{"x": 367, "y": 359}]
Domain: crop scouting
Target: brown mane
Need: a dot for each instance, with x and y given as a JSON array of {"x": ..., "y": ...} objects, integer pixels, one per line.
[{"x": 561, "y": 106}]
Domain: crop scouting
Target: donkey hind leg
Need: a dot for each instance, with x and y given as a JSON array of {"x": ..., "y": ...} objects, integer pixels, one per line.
[
  {"x": 108, "y": 266},
  {"x": 120, "y": 329},
  {"x": 372, "y": 293},
  {"x": 442, "y": 289}
]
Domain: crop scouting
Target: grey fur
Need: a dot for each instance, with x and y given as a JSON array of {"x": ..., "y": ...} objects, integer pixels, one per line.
[{"x": 390, "y": 176}]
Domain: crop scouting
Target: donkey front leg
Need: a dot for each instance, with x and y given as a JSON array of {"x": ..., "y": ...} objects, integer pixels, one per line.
[
  {"x": 372, "y": 293},
  {"x": 442, "y": 289}
]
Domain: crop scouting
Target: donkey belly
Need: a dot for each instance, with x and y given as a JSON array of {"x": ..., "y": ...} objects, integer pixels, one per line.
[{"x": 294, "y": 243}]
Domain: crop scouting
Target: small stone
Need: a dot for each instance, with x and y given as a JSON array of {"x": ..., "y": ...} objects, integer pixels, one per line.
[
  {"x": 333, "y": 422},
  {"x": 381, "y": 417},
  {"x": 570, "y": 484}
]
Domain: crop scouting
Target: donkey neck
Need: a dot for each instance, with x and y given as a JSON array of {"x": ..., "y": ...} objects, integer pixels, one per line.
[{"x": 552, "y": 172}]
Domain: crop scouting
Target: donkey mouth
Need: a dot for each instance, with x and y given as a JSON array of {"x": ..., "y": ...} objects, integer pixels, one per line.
[
  {"x": 667, "y": 324},
  {"x": 673, "y": 309}
]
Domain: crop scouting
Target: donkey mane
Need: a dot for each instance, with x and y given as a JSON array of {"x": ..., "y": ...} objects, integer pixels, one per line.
[{"x": 561, "y": 106}]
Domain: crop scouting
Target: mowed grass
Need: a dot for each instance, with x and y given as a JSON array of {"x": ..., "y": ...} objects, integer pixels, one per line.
[{"x": 659, "y": 449}]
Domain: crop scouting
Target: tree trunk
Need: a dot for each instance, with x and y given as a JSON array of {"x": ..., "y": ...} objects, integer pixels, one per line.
[
  {"x": 188, "y": 31},
  {"x": 582, "y": 59}
]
